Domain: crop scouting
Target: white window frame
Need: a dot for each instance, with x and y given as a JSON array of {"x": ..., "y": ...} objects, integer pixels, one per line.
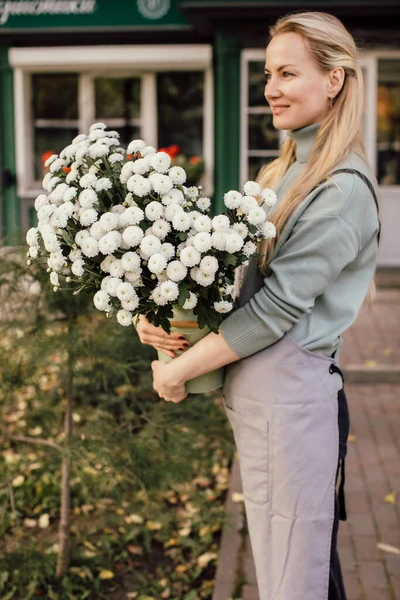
[{"x": 89, "y": 61}]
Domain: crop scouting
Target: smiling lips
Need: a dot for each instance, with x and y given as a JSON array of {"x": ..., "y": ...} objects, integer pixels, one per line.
[{"x": 277, "y": 109}]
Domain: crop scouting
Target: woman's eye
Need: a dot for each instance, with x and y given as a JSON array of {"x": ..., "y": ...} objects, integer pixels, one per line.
[
  {"x": 286, "y": 74},
  {"x": 267, "y": 77}
]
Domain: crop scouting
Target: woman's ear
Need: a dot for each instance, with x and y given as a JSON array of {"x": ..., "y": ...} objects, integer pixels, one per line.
[{"x": 335, "y": 81}]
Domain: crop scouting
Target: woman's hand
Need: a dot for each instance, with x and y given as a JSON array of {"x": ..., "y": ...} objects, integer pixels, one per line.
[
  {"x": 160, "y": 340},
  {"x": 165, "y": 384}
]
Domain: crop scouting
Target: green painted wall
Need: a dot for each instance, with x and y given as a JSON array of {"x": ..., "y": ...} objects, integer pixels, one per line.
[
  {"x": 10, "y": 202},
  {"x": 227, "y": 116}
]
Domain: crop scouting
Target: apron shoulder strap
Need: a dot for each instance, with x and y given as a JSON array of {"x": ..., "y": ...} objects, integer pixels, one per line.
[{"x": 370, "y": 187}]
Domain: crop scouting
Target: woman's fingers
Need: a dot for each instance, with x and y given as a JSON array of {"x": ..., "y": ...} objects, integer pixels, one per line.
[{"x": 157, "y": 337}]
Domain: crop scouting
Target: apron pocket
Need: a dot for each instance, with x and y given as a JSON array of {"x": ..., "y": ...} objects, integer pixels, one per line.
[{"x": 252, "y": 440}]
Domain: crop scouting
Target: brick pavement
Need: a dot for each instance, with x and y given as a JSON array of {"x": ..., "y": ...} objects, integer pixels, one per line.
[{"x": 371, "y": 350}]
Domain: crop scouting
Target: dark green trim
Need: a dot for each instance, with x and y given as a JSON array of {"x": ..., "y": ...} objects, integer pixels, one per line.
[
  {"x": 10, "y": 201},
  {"x": 227, "y": 116}
]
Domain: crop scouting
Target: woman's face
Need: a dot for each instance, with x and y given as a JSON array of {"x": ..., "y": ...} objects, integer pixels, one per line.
[{"x": 296, "y": 89}]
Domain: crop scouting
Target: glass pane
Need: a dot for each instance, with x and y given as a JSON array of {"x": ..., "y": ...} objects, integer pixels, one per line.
[
  {"x": 256, "y": 83},
  {"x": 55, "y": 96},
  {"x": 262, "y": 133},
  {"x": 117, "y": 98},
  {"x": 180, "y": 99},
  {"x": 47, "y": 141},
  {"x": 255, "y": 164},
  {"x": 388, "y": 134}
]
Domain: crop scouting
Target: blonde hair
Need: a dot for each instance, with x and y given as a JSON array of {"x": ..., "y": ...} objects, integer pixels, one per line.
[{"x": 331, "y": 46}]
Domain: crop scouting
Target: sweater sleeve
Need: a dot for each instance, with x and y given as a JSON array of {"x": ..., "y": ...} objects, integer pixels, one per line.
[{"x": 317, "y": 250}]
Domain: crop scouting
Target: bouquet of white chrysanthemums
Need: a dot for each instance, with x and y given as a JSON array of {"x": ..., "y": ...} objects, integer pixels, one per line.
[{"x": 122, "y": 225}]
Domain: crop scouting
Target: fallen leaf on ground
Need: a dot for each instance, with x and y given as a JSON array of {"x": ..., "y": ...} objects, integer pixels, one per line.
[
  {"x": 206, "y": 558},
  {"x": 106, "y": 574},
  {"x": 44, "y": 521},
  {"x": 153, "y": 525},
  {"x": 18, "y": 481},
  {"x": 30, "y": 523},
  {"x": 133, "y": 519},
  {"x": 388, "y": 548},
  {"x": 390, "y": 498}
]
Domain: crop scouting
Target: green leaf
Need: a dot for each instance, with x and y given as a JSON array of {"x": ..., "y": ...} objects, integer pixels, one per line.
[{"x": 183, "y": 295}]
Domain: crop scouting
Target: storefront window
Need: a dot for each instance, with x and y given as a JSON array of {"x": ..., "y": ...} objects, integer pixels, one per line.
[
  {"x": 117, "y": 103},
  {"x": 388, "y": 122}
]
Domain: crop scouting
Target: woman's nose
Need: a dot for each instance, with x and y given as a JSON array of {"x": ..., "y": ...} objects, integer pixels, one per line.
[{"x": 271, "y": 90}]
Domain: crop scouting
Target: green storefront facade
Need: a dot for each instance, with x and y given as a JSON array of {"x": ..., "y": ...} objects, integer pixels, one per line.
[{"x": 185, "y": 72}]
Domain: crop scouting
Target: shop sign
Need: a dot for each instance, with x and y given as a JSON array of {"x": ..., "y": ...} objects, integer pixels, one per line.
[{"x": 31, "y": 15}]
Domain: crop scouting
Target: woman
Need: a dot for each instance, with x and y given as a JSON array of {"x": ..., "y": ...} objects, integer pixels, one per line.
[{"x": 283, "y": 388}]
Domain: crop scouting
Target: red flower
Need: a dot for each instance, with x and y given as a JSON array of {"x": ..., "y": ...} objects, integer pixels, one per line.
[{"x": 46, "y": 155}]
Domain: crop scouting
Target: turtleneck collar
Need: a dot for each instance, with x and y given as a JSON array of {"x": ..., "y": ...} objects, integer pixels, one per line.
[{"x": 304, "y": 138}]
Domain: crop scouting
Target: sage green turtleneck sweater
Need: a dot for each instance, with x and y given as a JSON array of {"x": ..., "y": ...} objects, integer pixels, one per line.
[{"x": 322, "y": 267}]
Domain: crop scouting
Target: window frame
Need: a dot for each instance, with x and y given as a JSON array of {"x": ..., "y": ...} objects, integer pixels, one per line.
[{"x": 114, "y": 61}]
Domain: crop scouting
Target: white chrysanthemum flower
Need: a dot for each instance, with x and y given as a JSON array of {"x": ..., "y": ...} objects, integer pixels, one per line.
[
  {"x": 174, "y": 196},
  {"x": 111, "y": 142},
  {"x": 72, "y": 176},
  {"x": 161, "y": 161},
  {"x": 241, "y": 229},
  {"x": 148, "y": 150},
  {"x": 80, "y": 236},
  {"x": 223, "y": 307},
  {"x": 105, "y": 265},
  {"x": 41, "y": 200},
  {"x": 81, "y": 137},
  {"x": 229, "y": 290},
  {"x": 251, "y": 188},
  {"x": 126, "y": 171},
  {"x": 90, "y": 247},
  {"x": 167, "y": 250},
  {"x": 233, "y": 243},
  {"x": 191, "y": 302},
  {"x": 209, "y": 265},
  {"x": 256, "y": 216},
  {"x": 77, "y": 267},
  {"x": 178, "y": 175},
  {"x": 220, "y": 223},
  {"x": 134, "y": 277},
  {"x": 46, "y": 180},
  {"x": 45, "y": 212},
  {"x": 82, "y": 151},
  {"x": 129, "y": 201},
  {"x": 110, "y": 242},
  {"x": 109, "y": 221},
  {"x": 88, "y": 180},
  {"x": 116, "y": 268},
  {"x": 157, "y": 263},
  {"x": 104, "y": 183},
  {"x": 94, "y": 168},
  {"x": 247, "y": 204},
  {"x": 161, "y": 228},
  {"x": 131, "y": 304},
  {"x": 118, "y": 209},
  {"x": 203, "y": 203},
  {"x": 158, "y": 296},
  {"x": 56, "y": 261},
  {"x": 96, "y": 134},
  {"x": 132, "y": 216},
  {"x": 125, "y": 291},
  {"x": 69, "y": 151},
  {"x": 104, "y": 282},
  {"x": 182, "y": 221},
  {"x": 115, "y": 157},
  {"x": 141, "y": 166},
  {"x": 232, "y": 199},
  {"x": 98, "y": 150},
  {"x": 52, "y": 183},
  {"x": 33, "y": 251},
  {"x": 171, "y": 210},
  {"x": 189, "y": 256},
  {"x": 70, "y": 194},
  {"x": 54, "y": 280},
  {"x": 139, "y": 185},
  {"x": 112, "y": 285},
  {"x": 192, "y": 192},
  {"x": 101, "y": 300},
  {"x": 269, "y": 197},
  {"x": 150, "y": 245},
  {"x": 97, "y": 231},
  {"x": 268, "y": 230},
  {"x": 57, "y": 194},
  {"x": 75, "y": 254},
  {"x": 135, "y": 146},
  {"x": 88, "y": 216},
  {"x": 132, "y": 236},
  {"x": 32, "y": 237},
  {"x": 59, "y": 218},
  {"x": 161, "y": 184},
  {"x": 202, "y": 278},
  {"x": 202, "y": 241},
  {"x": 98, "y": 125},
  {"x": 154, "y": 210},
  {"x": 176, "y": 271},
  {"x": 130, "y": 261},
  {"x": 202, "y": 223},
  {"x": 57, "y": 164},
  {"x": 170, "y": 290},
  {"x": 113, "y": 133},
  {"x": 50, "y": 160},
  {"x": 249, "y": 249}
]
